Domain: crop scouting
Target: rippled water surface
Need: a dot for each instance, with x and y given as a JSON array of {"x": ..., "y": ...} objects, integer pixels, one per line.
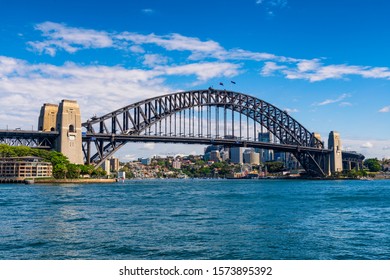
[{"x": 197, "y": 219}]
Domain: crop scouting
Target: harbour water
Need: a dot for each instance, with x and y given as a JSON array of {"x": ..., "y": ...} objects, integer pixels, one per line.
[{"x": 197, "y": 219}]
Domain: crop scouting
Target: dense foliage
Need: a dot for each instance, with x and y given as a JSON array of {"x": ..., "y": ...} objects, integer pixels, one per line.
[
  {"x": 62, "y": 168},
  {"x": 274, "y": 166},
  {"x": 201, "y": 170},
  {"x": 373, "y": 164}
]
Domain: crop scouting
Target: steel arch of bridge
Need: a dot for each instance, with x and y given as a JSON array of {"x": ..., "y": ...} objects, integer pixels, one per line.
[{"x": 134, "y": 122}]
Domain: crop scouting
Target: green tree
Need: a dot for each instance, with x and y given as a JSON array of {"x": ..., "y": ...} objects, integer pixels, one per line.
[
  {"x": 274, "y": 166},
  {"x": 74, "y": 171},
  {"x": 7, "y": 151},
  {"x": 59, "y": 171},
  {"x": 373, "y": 164},
  {"x": 99, "y": 172},
  {"x": 86, "y": 169}
]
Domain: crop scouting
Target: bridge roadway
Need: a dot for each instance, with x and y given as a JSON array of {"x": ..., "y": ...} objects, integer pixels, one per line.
[
  {"x": 27, "y": 133},
  {"x": 201, "y": 141},
  {"x": 47, "y": 138}
]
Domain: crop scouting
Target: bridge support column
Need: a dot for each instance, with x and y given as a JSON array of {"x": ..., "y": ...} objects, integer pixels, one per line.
[
  {"x": 69, "y": 141},
  {"x": 336, "y": 159}
]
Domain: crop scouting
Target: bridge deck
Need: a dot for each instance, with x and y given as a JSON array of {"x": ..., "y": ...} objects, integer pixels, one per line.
[
  {"x": 27, "y": 133},
  {"x": 200, "y": 141}
]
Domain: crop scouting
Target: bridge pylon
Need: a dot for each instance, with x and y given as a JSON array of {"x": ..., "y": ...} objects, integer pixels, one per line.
[
  {"x": 48, "y": 117},
  {"x": 335, "y": 157},
  {"x": 69, "y": 142}
]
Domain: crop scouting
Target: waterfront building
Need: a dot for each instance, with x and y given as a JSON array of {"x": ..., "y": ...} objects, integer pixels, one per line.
[{"x": 25, "y": 167}]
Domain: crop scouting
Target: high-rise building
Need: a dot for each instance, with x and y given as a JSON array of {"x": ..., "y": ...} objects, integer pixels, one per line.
[
  {"x": 266, "y": 154},
  {"x": 251, "y": 157},
  {"x": 215, "y": 156},
  {"x": 236, "y": 154},
  {"x": 266, "y": 137},
  {"x": 114, "y": 164},
  {"x": 106, "y": 166}
]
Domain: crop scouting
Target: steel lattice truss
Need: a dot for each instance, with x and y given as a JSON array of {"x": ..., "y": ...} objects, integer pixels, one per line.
[
  {"x": 34, "y": 139},
  {"x": 200, "y": 115}
]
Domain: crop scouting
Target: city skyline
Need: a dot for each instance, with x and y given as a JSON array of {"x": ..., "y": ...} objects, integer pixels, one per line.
[{"x": 325, "y": 62}]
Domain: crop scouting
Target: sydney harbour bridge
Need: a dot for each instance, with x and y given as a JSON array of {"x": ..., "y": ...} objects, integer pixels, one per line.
[{"x": 210, "y": 116}]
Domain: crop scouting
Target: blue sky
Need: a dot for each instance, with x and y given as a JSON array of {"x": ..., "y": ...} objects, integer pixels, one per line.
[{"x": 326, "y": 62}]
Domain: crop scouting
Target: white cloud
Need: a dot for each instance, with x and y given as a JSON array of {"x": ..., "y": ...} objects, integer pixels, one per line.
[
  {"x": 314, "y": 71},
  {"x": 240, "y": 54},
  {"x": 203, "y": 71},
  {"x": 370, "y": 148},
  {"x": 130, "y": 157},
  {"x": 173, "y": 42},
  {"x": 331, "y": 101},
  {"x": 345, "y": 104},
  {"x": 308, "y": 65},
  {"x": 152, "y": 60},
  {"x": 270, "y": 67},
  {"x": 367, "y": 145},
  {"x": 136, "y": 49},
  {"x": 148, "y": 11},
  {"x": 60, "y": 36},
  {"x": 288, "y": 110},
  {"x": 148, "y": 146},
  {"x": 99, "y": 89},
  {"x": 385, "y": 109},
  {"x": 272, "y": 3}
]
